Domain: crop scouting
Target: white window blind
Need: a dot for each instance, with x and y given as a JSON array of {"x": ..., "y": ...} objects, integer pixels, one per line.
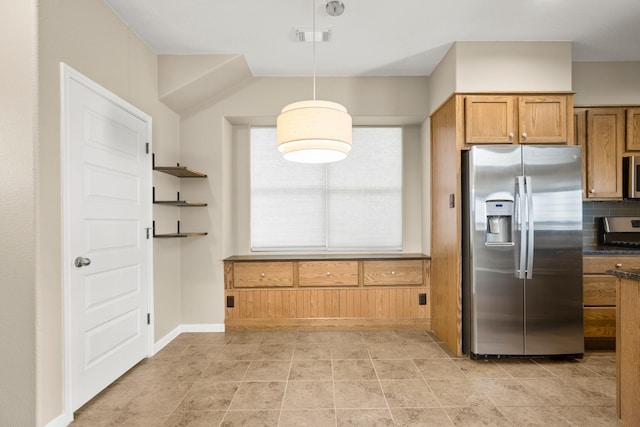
[{"x": 351, "y": 205}]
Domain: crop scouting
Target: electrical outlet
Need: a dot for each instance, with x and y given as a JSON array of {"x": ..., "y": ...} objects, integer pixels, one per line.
[{"x": 422, "y": 299}]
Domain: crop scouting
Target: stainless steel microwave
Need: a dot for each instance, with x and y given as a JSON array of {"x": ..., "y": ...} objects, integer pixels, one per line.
[{"x": 631, "y": 177}]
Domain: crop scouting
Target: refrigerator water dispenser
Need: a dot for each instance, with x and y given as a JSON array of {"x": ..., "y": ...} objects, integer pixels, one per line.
[{"x": 499, "y": 222}]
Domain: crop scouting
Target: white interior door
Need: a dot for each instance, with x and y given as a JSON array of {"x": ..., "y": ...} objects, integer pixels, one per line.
[{"x": 107, "y": 251}]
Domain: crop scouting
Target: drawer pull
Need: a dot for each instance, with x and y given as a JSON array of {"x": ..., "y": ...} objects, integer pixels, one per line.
[
  {"x": 618, "y": 265},
  {"x": 393, "y": 273},
  {"x": 328, "y": 273},
  {"x": 262, "y": 274}
]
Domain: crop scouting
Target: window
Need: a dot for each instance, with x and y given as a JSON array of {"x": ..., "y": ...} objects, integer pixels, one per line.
[{"x": 351, "y": 205}]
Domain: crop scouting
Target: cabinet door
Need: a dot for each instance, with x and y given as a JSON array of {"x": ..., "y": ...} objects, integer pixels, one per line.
[
  {"x": 633, "y": 129},
  {"x": 599, "y": 322},
  {"x": 490, "y": 119},
  {"x": 627, "y": 350},
  {"x": 605, "y": 145},
  {"x": 580, "y": 138},
  {"x": 542, "y": 119},
  {"x": 599, "y": 290}
]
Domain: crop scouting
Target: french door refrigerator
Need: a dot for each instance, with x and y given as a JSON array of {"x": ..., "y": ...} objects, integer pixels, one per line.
[{"x": 522, "y": 251}]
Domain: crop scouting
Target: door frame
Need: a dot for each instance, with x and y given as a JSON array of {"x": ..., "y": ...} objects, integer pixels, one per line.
[{"x": 68, "y": 74}]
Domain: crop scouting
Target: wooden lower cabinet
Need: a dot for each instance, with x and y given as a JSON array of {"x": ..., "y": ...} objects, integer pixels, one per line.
[
  {"x": 328, "y": 294},
  {"x": 599, "y": 291},
  {"x": 627, "y": 353}
]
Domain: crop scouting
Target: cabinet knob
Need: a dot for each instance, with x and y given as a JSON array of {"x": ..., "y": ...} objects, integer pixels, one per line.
[
  {"x": 511, "y": 135},
  {"x": 524, "y": 136},
  {"x": 328, "y": 273},
  {"x": 262, "y": 274},
  {"x": 393, "y": 273},
  {"x": 618, "y": 265},
  {"x": 593, "y": 190}
]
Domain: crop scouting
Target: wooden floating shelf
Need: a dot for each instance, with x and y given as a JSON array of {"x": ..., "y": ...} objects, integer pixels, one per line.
[
  {"x": 177, "y": 202},
  {"x": 179, "y": 171},
  {"x": 177, "y": 234},
  {"x": 181, "y": 203},
  {"x": 174, "y": 235}
]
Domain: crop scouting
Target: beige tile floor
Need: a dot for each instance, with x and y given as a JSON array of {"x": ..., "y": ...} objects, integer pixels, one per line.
[{"x": 350, "y": 378}]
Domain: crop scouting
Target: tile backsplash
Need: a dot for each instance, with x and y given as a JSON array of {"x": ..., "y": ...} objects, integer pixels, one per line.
[{"x": 592, "y": 211}]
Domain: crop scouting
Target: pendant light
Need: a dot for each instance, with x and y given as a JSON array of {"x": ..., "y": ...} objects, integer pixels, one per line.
[{"x": 314, "y": 131}]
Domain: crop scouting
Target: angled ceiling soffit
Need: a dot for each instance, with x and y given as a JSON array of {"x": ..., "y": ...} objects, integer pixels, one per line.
[{"x": 185, "y": 81}]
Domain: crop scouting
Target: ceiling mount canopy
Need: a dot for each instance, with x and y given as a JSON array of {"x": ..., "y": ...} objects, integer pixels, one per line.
[
  {"x": 314, "y": 131},
  {"x": 335, "y": 8}
]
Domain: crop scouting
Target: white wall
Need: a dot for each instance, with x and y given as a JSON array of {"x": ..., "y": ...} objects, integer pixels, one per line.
[
  {"x": 606, "y": 83},
  {"x": 442, "y": 82},
  {"x": 513, "y": 66},
  {"x": 209, "y": 144},
  {"x": 501, "y": 67},
  {"x": 89, "y": 37},
  {"x": 18, "y": 148}
]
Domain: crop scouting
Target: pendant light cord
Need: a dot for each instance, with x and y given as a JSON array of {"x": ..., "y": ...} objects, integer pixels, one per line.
[{"x": 314, "y": 49}]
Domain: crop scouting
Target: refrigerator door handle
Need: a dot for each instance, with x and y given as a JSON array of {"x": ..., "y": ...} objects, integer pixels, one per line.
[
  {"x": 520, "y": 183},
  {"x": 530, "y": 226}
]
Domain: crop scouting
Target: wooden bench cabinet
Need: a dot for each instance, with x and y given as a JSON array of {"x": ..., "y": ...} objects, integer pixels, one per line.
[{"x": 327, "y": 292}]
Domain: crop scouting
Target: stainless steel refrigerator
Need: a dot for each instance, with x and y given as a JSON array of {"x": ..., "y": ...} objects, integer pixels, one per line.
[{"x": 522, "y": 251}]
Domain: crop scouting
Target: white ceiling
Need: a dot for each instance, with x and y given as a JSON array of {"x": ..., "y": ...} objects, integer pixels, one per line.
[{"x": 378, "y": 37}]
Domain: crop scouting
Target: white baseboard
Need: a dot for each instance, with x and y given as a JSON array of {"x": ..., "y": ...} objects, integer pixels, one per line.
[
  {"x": 62, "y": 420},
  {"x": 198, "y": 327},
  {"x": 162, "y": 342}
]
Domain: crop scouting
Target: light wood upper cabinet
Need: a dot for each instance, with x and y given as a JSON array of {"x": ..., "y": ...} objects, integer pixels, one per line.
[
  {"x": 509, "y": 119},
  {"x": 542, "y": 119},
  {"x": 490, "y": 119},
  {"x": 633, "y": 129},
  {"x": 603, "y": 149}
]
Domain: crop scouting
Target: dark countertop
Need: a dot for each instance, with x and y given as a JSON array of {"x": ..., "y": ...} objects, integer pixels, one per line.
[
  {"x": 327, "y": 257},
  {"x": 630, "y": 273},
  {"x": 610, "y": 250}
]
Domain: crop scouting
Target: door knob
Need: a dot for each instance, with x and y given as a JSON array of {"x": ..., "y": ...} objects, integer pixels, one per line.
[{"x": 82, "y": 262}]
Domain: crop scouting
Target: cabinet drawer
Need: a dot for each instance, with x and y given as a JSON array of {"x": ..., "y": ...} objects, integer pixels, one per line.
[
  {"x": 383, "y": 273},
  {"x": 328, "y": 273},
  {"x": 599, "y": 264},
  {"x": 599, "y": 290},
  {"x": 599, "y": 322},
  {"x": 262, "y": 274}
]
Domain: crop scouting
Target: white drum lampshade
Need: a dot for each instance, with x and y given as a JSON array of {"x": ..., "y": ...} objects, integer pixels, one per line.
[{"x": 314, "y": 132}]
